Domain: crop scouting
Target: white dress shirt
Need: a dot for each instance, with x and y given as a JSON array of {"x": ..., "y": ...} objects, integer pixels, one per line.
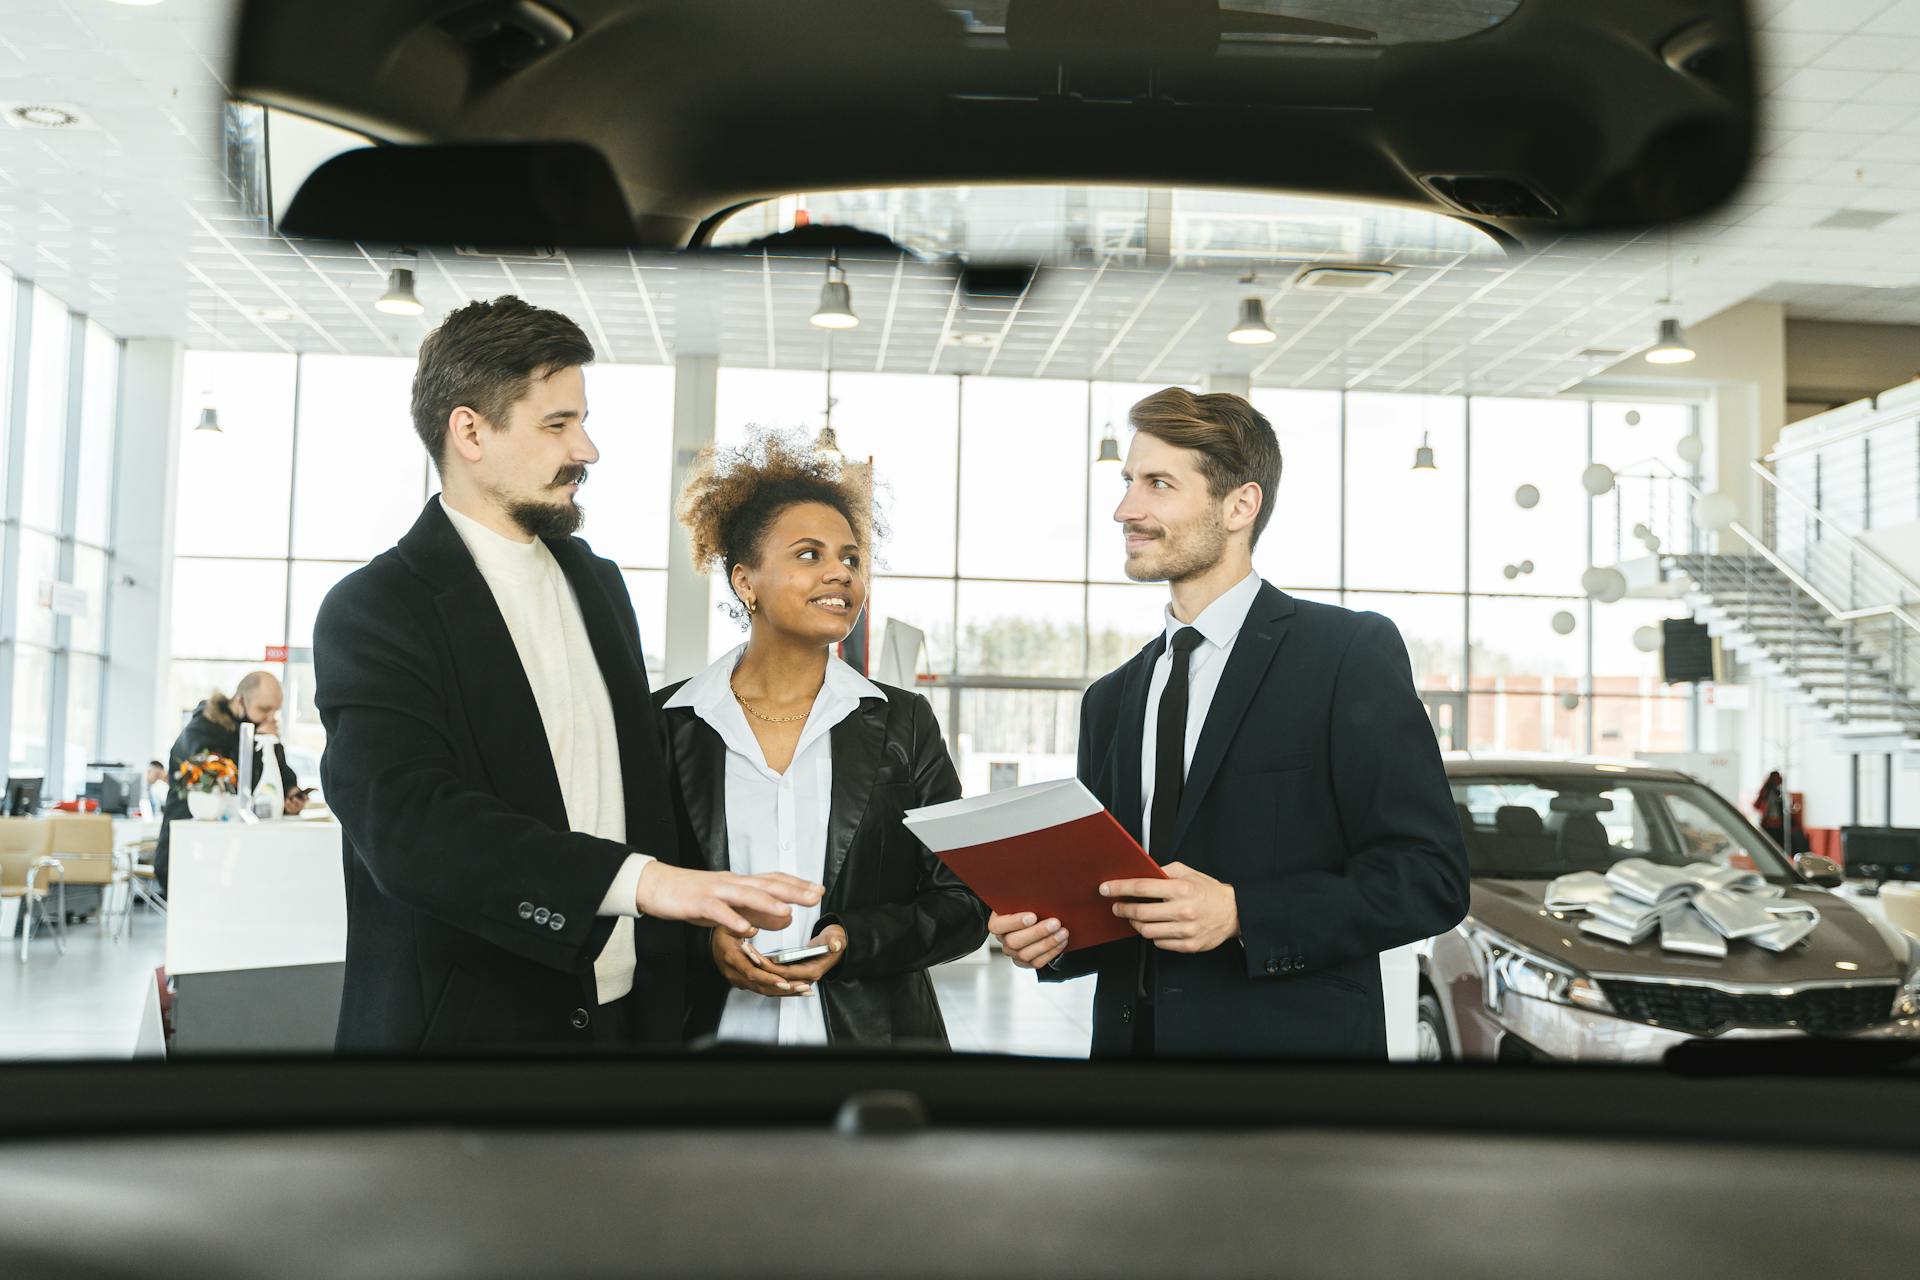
[
  {"x": 777, "y": 822},
  {"x": 1219, "y": 626},
  {"x": 550, "y": 636}
]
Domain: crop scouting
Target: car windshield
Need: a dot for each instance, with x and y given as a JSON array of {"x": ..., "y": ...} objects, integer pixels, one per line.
[{"x": 1545, "y": 825}]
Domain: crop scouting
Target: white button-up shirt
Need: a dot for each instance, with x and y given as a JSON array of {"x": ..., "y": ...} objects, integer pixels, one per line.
[
  {"x": 777, "y": 822},
  {"x": 1219, "y": 624}
]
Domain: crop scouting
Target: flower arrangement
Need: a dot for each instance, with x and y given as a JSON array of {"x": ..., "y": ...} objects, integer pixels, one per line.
[{"x": 208, "y": 773}]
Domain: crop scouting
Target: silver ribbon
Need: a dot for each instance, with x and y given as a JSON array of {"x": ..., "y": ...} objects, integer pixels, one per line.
[{"x": 1698, "y": 910}]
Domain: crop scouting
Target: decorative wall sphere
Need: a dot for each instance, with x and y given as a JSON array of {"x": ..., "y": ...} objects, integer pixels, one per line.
[
  {"x": 1571, "y": 701},
  {"x": 1512, "y": 571},
  {"x": 1646, "y": 639},
  {"x": 1715, "y": 511},
  {"x": 1613, "y": 586},
  {"x": 1691, "y": 448},
  {"x": 1591, "y": 579},
  {"x": 1527, "y": 496},
  {"x": 1563, "y": 623},
  {"x": 1526, "y": 566},
  {"x": 1641, "y": 531},
  {"x": 1633, "y": 417},
  {"x": 1597, "y": 479},
  {"x": 1653, "y": 541}
]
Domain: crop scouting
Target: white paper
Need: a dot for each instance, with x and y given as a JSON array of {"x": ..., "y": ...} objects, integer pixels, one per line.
[{"x": 1001, "y": 815}]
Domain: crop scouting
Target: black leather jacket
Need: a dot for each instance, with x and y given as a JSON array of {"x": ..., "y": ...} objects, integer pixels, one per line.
[{"x": 902, "y": 909}]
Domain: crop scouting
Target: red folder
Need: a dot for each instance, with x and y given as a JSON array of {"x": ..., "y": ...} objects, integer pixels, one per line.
[{"x": 1044, "y": 849}]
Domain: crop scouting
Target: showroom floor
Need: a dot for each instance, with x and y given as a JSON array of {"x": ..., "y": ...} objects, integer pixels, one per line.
[{"x": 88, "y": 1002}]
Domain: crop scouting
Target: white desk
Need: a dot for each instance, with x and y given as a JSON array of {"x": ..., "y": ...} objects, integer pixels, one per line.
[{"x": 254, "y": 896}]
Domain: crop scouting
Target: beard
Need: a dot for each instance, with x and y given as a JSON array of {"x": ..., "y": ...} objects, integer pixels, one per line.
[
  {"x": 550, "y": 518},
  {"x": 1184, "y": 554}
]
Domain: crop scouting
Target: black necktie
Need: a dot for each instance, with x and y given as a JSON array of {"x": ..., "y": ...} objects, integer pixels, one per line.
[{"x": 1170, "y": 746}]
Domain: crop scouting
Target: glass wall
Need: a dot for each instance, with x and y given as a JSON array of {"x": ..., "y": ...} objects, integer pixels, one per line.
[
  {"x": 1002, "y": 548},
  {"x": 316, "y": 469},
  {"x": 58, "y": 557}
]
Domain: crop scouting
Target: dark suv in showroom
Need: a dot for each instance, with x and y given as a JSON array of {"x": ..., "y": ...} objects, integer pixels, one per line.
[{"x": 1619, "y": 909}]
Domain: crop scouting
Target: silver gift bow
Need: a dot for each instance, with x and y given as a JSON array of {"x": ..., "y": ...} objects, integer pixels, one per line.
[{"x": 1698, "y": 910}]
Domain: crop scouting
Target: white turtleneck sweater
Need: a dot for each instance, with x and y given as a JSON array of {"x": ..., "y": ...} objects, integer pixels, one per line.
[{"x": 550, "y": 635}]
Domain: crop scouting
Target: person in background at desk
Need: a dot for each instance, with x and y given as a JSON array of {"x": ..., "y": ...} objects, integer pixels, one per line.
[
  {"x": 215, "y": 726},
  {"x": 157, "y": 788}
]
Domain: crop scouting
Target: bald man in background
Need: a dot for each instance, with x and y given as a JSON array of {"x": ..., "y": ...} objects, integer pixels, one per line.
[{"x": 215, "y": 726}]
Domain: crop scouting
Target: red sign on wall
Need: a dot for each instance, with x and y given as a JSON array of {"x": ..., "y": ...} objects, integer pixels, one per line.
[{"x": 276, "y": 653}]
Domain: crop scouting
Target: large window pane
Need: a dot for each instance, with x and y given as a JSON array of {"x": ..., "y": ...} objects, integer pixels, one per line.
[
  {"x": 1301, "y": 544},
  {"x": 99, "y": 409},
  {"x": 1621, "y": 667},
  {"x": 909, "y": 425},
  {"x": 356, "y": 479},
  {"x": 83, "y": 720},
  {"x": 773, "y": 399},
  {"x": 7, "y": 303},
  {"x": 309, "y": 584},
  {"x": 1522, "y": 668},
  {"x": 32, "y": 688},
  {"x": 42, "y": 490},
  {"x": 647, "y": 588},
  {"x": 1406, "y": 529},
  {"x": 630, "y": 418},
  {"x": 1624, "y": 727},
  {"x": 1026, "y": 735},
  {"x": 1120, "y": 622},
  {"x": 88, "y": 632},
  {"x": 234, "y": 482},
  {"x": 39, "y": 565},
  {"x": 1542, "y": 443},
  {"x": 1023, "y": 469},
  {"x": 228, "y": 609},
  {"x": 1020, "y": 628},
  {"x": 1431, "y": 626}
]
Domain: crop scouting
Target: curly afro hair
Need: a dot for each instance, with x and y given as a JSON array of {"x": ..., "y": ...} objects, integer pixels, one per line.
[{"x": 736, "y": 493}]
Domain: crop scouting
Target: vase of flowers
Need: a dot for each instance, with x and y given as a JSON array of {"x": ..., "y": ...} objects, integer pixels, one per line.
[{"x": 209, "y": 782}]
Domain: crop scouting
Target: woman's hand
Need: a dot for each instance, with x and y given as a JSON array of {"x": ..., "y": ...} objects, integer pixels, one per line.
[{"x": 742, "y": 965}]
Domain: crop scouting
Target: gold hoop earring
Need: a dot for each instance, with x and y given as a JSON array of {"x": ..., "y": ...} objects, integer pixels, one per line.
[{"x": 751, "y": 606}]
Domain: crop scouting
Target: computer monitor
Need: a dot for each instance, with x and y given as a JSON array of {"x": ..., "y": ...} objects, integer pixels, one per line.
[
  {"x": 23, "y": 797},
  {"x": 118, "y": 789},
  {"x": 1881, "y": 853}
]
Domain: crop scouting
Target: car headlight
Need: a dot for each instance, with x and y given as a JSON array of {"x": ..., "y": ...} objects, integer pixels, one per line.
[
  {"x": 1907, "y": 1003},
  {"x": 1507, "y": 967}
]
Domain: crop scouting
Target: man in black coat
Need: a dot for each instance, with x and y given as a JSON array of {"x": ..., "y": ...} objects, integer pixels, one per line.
[
  {"x": 215, "y": 726},
  {"x": 1273, "y": 755},
  {"x": 512, "y": 873}
]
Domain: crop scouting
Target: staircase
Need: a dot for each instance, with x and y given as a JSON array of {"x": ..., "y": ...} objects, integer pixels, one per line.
[{"x": 1855, "y": 673}]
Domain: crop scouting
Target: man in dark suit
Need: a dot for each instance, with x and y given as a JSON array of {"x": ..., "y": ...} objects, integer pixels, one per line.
[
  {"x": 1273, "y": 756},
  {"x": 512, "y": 871}
]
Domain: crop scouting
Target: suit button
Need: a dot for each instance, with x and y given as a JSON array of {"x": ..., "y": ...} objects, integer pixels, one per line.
[
  {"x": 1273, "y": 966},
  {"x": 557, "y": 923},
  {"x": 526, "y": 911},
  {"x": 540, "y": 915},
  {"x": 1126, "y": 1013},
  {"x": 580, "y": 1019}
]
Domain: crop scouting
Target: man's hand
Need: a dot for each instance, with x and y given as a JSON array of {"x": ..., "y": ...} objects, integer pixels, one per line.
[
  {"x": 1191, "y": 912},
  {"x": 742, "y": 965},
  {"x": 738, "y": 904},
  {"x": 1029, "y": 941}
]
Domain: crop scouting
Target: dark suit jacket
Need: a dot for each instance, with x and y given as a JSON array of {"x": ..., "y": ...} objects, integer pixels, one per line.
[
  {"x": 902, "y": 909},
  {"x": 1317, "y": 792},
  {"x": 470, "y": 904}
]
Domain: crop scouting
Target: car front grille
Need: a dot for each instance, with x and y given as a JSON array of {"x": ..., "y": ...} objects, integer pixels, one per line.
[{"x": 1704, "y": 1011}]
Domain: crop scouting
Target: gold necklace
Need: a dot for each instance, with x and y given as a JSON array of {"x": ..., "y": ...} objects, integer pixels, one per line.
[{"x": 758, "y": 715}]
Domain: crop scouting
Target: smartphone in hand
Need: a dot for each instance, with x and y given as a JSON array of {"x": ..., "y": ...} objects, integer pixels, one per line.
[{"x": 797, "y": 955}]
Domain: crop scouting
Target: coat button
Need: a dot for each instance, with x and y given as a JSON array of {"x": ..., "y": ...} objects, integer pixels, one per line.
[
  {"x": 526, "y": 911},
  {"x": 1273, "y": 966},
  {"x": 540, "y": 915},
  {"x": 557, "y": 923},
  {"x": 1126, "y": 1013},
  {"x": 580, "y": 1020}
]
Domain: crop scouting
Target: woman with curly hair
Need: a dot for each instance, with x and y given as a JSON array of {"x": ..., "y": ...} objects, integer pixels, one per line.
[{"x": 786, "y": 758}]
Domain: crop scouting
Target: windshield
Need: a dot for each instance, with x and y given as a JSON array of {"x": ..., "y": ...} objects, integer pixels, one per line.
[{"x": 1543, "y": 826}]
